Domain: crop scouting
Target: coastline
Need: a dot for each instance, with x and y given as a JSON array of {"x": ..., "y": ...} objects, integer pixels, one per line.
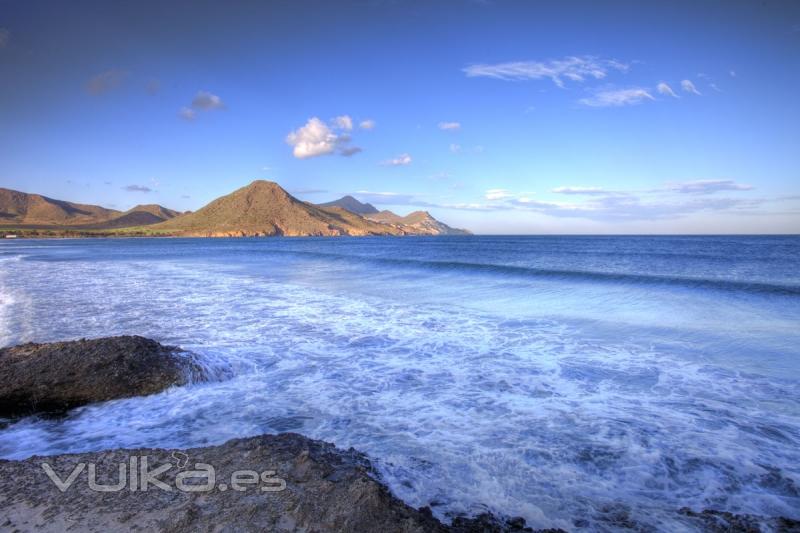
[{"x": 180, "y": 293}]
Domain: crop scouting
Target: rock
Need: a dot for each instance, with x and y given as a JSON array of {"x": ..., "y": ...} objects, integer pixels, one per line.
[
  {"x": 723, "y": 521},
  {"x": 297, "y": 484},
  {"x": 326, "y": 489},
  {"x": 489, "y": 523},
  {"x": 58, "y": 376}
]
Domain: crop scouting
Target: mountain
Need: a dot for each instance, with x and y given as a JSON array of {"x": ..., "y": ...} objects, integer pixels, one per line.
[
  {"x": 416, "y": 223},
  {"x": 156, "y": 210},
  {"x": 141, "y": 215},
  {"x": 264, "y": 208},
  {"x": 260, "y": 208},
  {"x": 352, "y": 205},
  {"x": 34, "y": 209}
]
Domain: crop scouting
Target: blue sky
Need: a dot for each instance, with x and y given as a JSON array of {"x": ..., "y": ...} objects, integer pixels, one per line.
[{"x": 497, "y": 116}]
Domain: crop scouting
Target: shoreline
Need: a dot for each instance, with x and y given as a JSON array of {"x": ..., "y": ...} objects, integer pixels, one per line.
[{"x": 328, "y": 489}]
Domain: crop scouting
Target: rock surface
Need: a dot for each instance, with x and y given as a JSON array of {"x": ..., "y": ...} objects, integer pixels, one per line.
[
  {"x": 58, "y": 376},
  {"x": 323, "y": 489},
  {"x": 724, "y": 522}
]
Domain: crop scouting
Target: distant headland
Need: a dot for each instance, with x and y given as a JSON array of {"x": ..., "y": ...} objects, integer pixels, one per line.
[{"x": 262, "y": 208}]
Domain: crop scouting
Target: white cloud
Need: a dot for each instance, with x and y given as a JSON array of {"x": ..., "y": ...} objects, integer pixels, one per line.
[
  {"x": 5, "y": 37},
  {"x": 579, "y": 190},
  {"x": 689, "y": 87},
  {"x": 449, "y": 126},
  {"x": 617, "y": 97},
  {"x": 312, "y": 140},
  {"x": 187, "y": 113},
  {"x": 367, "y": 124},
  {"x": 732, "y": 73},
  {"x": 399, "y": 161},
  {"x": 708, "y": 186},
  {"x": 455, "y": 147},
  {"x": 344, "y": 122},
  {"x": 317, "y": 138},
  {"x": 105, "y": 81},
  {"x": 205, "y": 101},
  {"x": 572, "y": 68},
  {"x": 664, "y": 88},
  {"x": 497, "y": 194}
]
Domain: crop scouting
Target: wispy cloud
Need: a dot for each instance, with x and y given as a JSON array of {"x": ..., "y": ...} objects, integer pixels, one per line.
[
  {"x": 105, "y": 81},
  {"x": 455, "y": 148},
  {"x": 5, "y": 37},
  {"x": 187, "y": 113},
  {"x": 572, "y": 68},
  {"x": 580, "y": 190},
  {"x": 399, "y": 161},
  {"x": 450, "y": 126},
  {"x": 665, "y": 89},
  {"x": 497, "y": 194},
  {"x": 343, "y": 122},
  {"x": 368, "y": 124},
  {"x": 392, "y": 198},
  {"x": 348, "y": 151},
  {"x": 689, "y": 87},
  {"x": 616, "y": 208},
  {"x": 137, "y": 188},
  {"x": 617, "y": 97},
  {"x": 205, "y": 101},
  {"x": 317, "y": 138},
  {"x": 707, "y": 186},
  {"x": 671, "y": 201}
]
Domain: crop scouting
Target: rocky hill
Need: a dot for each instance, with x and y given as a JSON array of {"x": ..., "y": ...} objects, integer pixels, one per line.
[
  {"x": 141, "y": 215},
  {"x": 34, "y": 209},
  {"x": 264, "y": 208},
  {"x": 352, "y": 205},
  {"x": 416, "y": 223}
]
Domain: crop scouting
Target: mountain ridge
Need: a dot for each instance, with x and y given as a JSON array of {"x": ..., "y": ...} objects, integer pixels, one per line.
[
  {"x": 352, "y": 205},
  {"x": 261, "y": 208},
  {"x": 17, "y": 207}
]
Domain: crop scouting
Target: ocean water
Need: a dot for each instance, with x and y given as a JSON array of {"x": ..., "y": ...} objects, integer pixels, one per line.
[{"x": 569, "y": 380}]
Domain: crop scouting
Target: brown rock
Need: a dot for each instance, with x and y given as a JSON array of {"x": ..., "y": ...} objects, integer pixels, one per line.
[
  {"x": 58, "y": 376},
  {"x": 322, "y": 487}
]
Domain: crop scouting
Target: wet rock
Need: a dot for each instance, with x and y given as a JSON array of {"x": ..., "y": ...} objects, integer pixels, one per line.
[
  {"x": 285, "y": 482},
  {"x": 722, "y": 521},
  {"x": 55, "y": 377}
]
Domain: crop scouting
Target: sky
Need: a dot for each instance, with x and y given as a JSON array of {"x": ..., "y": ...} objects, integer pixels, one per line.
[{"x": 504, "y": 117}]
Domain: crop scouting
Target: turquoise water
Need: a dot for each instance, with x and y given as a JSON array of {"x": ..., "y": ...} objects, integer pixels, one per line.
[{"x": 564, "y": 379}]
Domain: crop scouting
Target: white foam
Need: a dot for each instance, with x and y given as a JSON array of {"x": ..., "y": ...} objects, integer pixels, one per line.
[{"x": 465, "y": 405}]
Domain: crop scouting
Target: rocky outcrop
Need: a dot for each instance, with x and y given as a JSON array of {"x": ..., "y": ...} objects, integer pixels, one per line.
[
  {"x": 267, "y": 483},
  {"x": 416, "y": 223},
  {"x": 724, "y": 522},
  {"x": 58, "y": 376}
]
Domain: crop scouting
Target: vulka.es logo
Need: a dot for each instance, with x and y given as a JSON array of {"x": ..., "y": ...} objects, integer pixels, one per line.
[{"x": 137, "y": 475}]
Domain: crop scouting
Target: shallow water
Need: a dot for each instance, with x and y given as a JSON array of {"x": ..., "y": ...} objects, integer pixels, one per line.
[{"x": 564, "y": 379}]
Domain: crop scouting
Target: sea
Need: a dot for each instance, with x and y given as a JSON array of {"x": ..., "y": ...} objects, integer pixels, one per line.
[{"x": 584, "y": 382}]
